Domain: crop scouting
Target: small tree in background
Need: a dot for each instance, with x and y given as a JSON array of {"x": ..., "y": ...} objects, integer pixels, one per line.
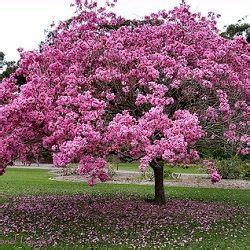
[
  {"x": 10, "y": 68},
  {"x": 2, "y": 55},
  {"x": 238, "y": 29},
  {"x": 146, "y": 91}
]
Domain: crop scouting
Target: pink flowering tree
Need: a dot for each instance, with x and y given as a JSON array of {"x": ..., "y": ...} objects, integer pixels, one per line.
[{"x": 144, "y": 90}]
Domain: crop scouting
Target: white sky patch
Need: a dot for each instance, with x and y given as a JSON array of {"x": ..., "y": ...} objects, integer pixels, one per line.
[{"x": 22, "y": 22}]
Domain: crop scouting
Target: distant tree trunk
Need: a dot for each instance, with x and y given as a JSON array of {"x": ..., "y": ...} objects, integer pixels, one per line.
[{"x": 160, "y": 198}]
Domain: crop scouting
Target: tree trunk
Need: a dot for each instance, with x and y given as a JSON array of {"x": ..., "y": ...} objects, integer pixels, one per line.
[{"x": 159, "y": 182}]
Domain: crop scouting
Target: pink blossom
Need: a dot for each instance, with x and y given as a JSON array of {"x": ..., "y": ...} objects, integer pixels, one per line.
[
  {"x": 110, "y": 96},
  {"x": 91, "y": 182},
  {"x": 92, "y": 91},
  {"x": 215, "y": 177}
]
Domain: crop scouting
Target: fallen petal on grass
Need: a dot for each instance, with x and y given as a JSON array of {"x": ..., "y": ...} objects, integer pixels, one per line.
[{"x": 121, "y": 220}]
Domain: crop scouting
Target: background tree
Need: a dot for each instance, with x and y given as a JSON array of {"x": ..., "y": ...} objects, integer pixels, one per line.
[
  {"x": 1, "y": 60},
  {"x": 240, "y": 28},
  {"x": 146, "y": 91},
  {"x": 10, "y": 69}
]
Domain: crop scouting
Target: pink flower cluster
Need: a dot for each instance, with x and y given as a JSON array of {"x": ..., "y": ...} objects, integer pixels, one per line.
[
  {"x": 147, "y": 90},
  {"x": 224, "y": 106},
  {"x": 155, "y": 135},
  {"x": 95, "y": 167},
  {"x": 215, "y": 177}
]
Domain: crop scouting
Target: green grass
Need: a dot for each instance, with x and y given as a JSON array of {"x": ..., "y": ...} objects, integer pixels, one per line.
[
  {"x": 36, "y": 181},
  {"x": 134, "y": 166},
  {"x": 18, "y": 182}
]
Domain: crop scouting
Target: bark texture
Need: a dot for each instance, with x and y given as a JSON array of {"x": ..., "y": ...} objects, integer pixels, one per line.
[{"x": 160, "y": 198}]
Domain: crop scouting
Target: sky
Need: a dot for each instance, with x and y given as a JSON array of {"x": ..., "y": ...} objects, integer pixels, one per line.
[{"x": 22, "y": 22}]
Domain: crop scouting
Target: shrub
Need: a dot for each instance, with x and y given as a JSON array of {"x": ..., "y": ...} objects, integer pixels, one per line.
[
  {"x": 71, "y": 169},
  {"x": 233, "y": 168},
  {"x": 111, "y": 171},
  {"x": 147, "y": 175},
  {"x": 167, "y": 174}
]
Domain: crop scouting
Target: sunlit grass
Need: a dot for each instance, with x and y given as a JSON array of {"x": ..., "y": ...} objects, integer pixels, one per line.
[
  {"x": 36, "y": 182},
  {"x": 134, "y": 166}
]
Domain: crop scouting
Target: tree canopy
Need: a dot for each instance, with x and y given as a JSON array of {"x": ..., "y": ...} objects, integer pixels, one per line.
[{"x": 146, "y": 91}]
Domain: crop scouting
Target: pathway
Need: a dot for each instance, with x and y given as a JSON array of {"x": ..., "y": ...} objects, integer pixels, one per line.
[{"x": 133, "y": 177}]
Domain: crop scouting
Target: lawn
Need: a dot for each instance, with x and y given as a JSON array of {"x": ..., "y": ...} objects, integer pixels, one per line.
[
  {"x": 107, "y": 214},
  {"x": 134, "y": 166}
]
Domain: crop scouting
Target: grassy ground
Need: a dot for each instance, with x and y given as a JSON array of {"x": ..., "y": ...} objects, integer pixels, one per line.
[
  {"x": 36, "y": 181},
  {"x": 19, "y": 182},
  {"x": 193, "y": 169}
]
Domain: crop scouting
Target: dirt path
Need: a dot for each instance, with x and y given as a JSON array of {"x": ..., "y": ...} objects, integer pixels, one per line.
[{"x": 34, "y": 166}]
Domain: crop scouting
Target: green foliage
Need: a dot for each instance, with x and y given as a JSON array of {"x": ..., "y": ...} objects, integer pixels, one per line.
[
  {"x": 167, "y": 173},
  {"x": 11, "y": 68},
  {"x": 236, "y": 29},
  {"x": 148, "y": 174},
  {"x": 247, "y": 173},
  {"x": 233, "y": 168},
  {"x": 215, "y": 149},
  {"x": 71, "y": 169},
  {"x": 111, "y": 171},
  {"x": 215, "y": 152}
]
